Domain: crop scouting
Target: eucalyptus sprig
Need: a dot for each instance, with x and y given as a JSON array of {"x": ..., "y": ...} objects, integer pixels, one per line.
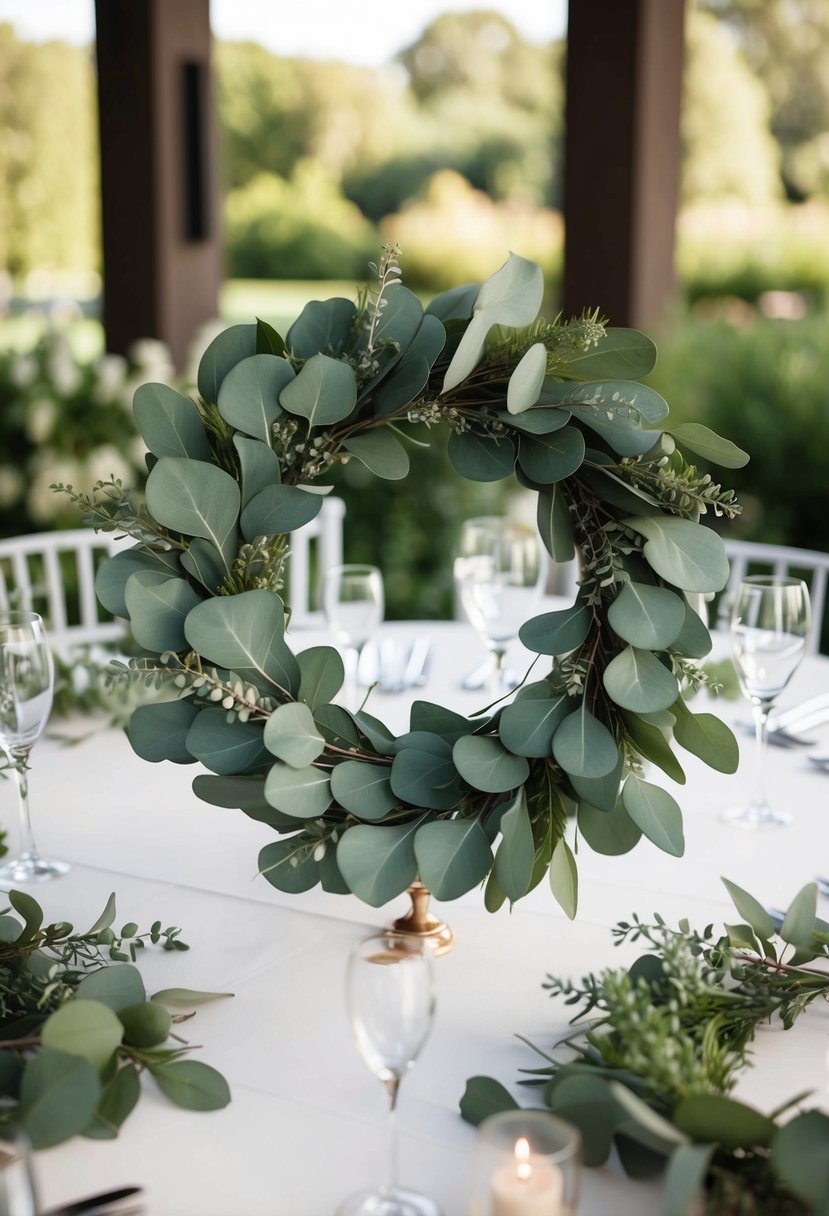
[
  {"x": 666, "y": 1041},
  {"x": 77, "y": 1032}
]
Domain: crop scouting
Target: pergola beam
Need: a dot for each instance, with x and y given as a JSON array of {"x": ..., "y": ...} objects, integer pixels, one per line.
[{"x": 621, "y": 166}]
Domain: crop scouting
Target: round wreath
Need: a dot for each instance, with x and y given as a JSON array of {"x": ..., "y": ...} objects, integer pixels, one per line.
[{"x": 455, "y": 801}]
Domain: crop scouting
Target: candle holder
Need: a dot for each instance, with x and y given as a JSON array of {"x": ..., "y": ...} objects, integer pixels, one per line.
[
  {"x": 527, "y": 1163},
  {"x": 419, "y": 923}
]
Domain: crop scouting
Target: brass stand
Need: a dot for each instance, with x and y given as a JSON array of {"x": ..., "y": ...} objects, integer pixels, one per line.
[{"x": 420, "y": 923}]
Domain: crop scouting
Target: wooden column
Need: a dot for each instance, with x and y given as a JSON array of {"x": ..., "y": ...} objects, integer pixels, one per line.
[
  {"x": 621, "y": 169},
  {"x": 159, "y": 178}
]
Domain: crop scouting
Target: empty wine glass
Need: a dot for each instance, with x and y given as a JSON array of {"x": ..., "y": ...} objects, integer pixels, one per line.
[
  {"x": 26, "y": 682},
  {"x": 770, "y": 621},
  {"x": 352, "y": 600},
  {"x": 499, "y": 573},
  {"x": 390, "y": 997}
]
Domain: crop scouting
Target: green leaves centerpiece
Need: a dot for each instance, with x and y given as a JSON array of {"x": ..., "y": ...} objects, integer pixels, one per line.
[{"x": 233, "y": 472}]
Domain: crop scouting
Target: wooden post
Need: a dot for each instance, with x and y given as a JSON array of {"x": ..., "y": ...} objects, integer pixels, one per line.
[
  {"x": 621, "y": 169},
  {"x": 159, "y": 173}
]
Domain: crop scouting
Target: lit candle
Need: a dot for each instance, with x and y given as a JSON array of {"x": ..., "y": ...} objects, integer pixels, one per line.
[{"x": 527, "y": 1186}]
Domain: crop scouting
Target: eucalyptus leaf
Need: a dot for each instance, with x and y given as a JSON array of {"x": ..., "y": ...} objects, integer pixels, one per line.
[
  {"x": 196, "y": 499},
  {"x": 564, "y": 879},
  {"x": 527, "y": 727},
  {"x": 708, "y": 443},
  {"x": 550, "y": 458},
  {"x": 635, "y": 679},
  {"x": 191, "y": 1084},
  {"x": 116, "y": 987},
  {"x": 113, "y": 574},
  {"x": 652, "y": 744},
  {"x": 378, "y": 863},
  {"x": 146, "y": 1024},
  {"x": 159, "y": 732},
  {"x": 799, "y": 921},
  {"x": 557, "y": 632},
  {"x": 119, "y": 1098},
  {"x": 483, "y": 1097},
  {"x": 244, "y": 633},
  {"x": 453, "y": 856},
  {"x": 268, "y": 341},
  {"x": 656, "y": 812},
  {"x": 83, "y": 1027},
  {"x": 601, "y": 792},
  {"x": 536, "y": 420},
  {"x": 438, "y": 720},
  {"x": 751, "y": 910},
  {"x": 525, "y": 383},
  {"x": 620, "y": 433},
  {"x": 707, "y": 737},
  {"x": 713, "y": 1118},
  {"x": 226, "y": 350},
  {"x": 555, "y": 525},
  {"x": 225, "y": 747},
  {"x": 169, "y": 423},
  {"x": 516, "y": 851},
  {"x": 187, "y": 998},
  {"x": 26, "y": 907},
  {"x": 158, "y": 606},
  {"x": 321, "y": 675},
  {"x": 411, "y": 374},
  {"x": 693, "y": 640},
  {"x": 587, "y": 1102},
  {"x": 611, "y": 833},
  {"x": 249, "y": 395},
  {"x": 799, "y": 1157},
  {"x": 380, "y": 452},
  {"x": 650, "y": 618},
  {"x": 583, "y": 745},
  {"x": 289, "y": 865},
  {"x": 278, "y": 509},
  {"x": 291, "y": 734},
  {"x": 423, "y": 773},
  {"x": 323, "y": 325},
  {"x": 259, "y": 466},
  {"x": 683, "y": 553},
  {"x": 303, "y": 793},
  {"x": 324, "y": 392},
  {"x": 205, "y": 564},
  {"x": 59, "y": 1094},
  {"x": 485, "y": 764},
  {"x": 621, "y": 354},
  {"x": 363, "y": 789},
  {"x": 627, "y": 398},
  {"x": 481, "y": 457}
]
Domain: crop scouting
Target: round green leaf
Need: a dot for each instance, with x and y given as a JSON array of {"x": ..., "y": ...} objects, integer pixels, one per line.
[
  {"x": 113, "y": 574},
  {"x": 707, "y": 737},
  {"x": 550, "y": 458},
  {"x": 191, "y": 1084},
  {"x": 289, "y": 865},
  {"x": 324, "y": 392},
  {"x": 321, "y": 675},
  {"x": 292, "y": 735},
  {"x": 686, "y": 554},
  {"x": 693, "y": 640},
  {"x": 170, "y": 423},
  {"x": 196, "y": 499},
  {"x": 159, "y": 732},
  {"x": 555, "y": 525},
  {"x": 527, "y": 726},
  {"x": 588, "y": 1102},
  {"x": 453, "y": 856},
  {"x": 226, "y": 350},
  {"x": 516, "y": 851},
  {"x": 423, "y": 773},
  {"x": 58, "y": 1096},
  {"x": 244, "y": 633},
  {"x": 651, "y": 743},
  {"x": 537, "y": 420},
  {"x": 648, "y": 617},
  {"x": 710, "y": 445},
  {"x": 486, "y": 764},
  {"x": 378, "y": 863},
  {"x": 225, "y": 747},
  {"x": 363, "y": 789},
  {"x": 621, "y": 354},
  {"x": 610, "y": 833},
  {"x": 583, "y": 746},
  {"x": 278, "y": 509},
  {"x": 635, "y": 679},
  {"x": 381, "y": 452},
  {"x": 525, "y": 383},
  {"x": 258, "y": 464},
  {"x": 116, "y": 987},
  {"x": 751, "y": 910},
  {"x": 86, "y": 1028},
  {"x": 158, "y": 606},
  {"x": 799, "y": 1156},
  {"x": 483, "y": 1097},
  {"x": 322, "y": 325},
  {"x": 712, "y": 1118},
  {"x": 117, "y": 1102},
  {"x": 557, "y": 632},
  {"x": 799, "y": 921},
  {"x": 654, "y": 811},
  {"x": 249, "y": 394},
  {"x": 481, "y": 457},
  {"x": 303, "y": 793},
  {"x": 205, "y": 564},
  {"x": 145, "y": 1025},
  {"x": 564, "y": 878}
]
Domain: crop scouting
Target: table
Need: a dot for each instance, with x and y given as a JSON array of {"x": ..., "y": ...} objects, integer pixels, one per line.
[{"x": 306, "y": 1126}]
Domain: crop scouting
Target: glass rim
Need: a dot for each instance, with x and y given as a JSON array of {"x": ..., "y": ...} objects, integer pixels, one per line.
[
  {"x": 489, "y": 521},
  {"x": 14, "y": 616},
  {"x": 773, "y": 580},
  {"x": 352, "y": 568},
  {"x": 521, "y": 1119}
]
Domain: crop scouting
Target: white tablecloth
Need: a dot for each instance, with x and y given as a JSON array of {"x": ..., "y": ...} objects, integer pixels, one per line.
[{"x": 306, "y": 1125}]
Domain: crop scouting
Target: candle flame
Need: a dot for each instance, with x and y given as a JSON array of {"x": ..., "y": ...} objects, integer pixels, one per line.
[{"x": 522, "y": 1157}]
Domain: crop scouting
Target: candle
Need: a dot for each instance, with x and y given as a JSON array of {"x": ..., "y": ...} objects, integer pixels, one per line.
[{"x": 527, "y": 1186}]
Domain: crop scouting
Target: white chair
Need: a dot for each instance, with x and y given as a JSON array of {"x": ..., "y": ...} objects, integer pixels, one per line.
[
  {"x": 748, "y": 557},
  {"x": 53, "y": 573},
  {"x": 314, "y": 548}
]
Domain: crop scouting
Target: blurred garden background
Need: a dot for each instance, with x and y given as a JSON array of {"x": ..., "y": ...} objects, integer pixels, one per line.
[{"x": 452, "y": 149}]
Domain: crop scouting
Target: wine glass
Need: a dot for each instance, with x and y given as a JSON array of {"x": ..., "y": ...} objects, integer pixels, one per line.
[
  {"x": 352, "y": 601},
  {"x": 390, "y": 996},
  {"x": 26, "y": 682},
  {"x": 499, "y": 574},
  {"x": 770, "y": 621}
]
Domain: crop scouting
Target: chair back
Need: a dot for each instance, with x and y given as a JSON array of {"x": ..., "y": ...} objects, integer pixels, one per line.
[
  {"x": 53, "y": 573},
  {"x": 748, "y": 557},
  {"x": 314, "y": 548}
]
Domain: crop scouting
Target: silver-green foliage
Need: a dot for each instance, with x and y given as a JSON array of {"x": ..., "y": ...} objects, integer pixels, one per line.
[{"x": 558, "y": 405}]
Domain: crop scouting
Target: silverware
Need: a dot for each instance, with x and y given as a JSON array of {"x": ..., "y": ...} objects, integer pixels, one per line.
[
  {"x": 123, "y": 1202},
  {"x": 417, "y": 665},
  {"x": 777, "y": 738},
  {"x": 821, "y": 762},
  {"x": 478, "y": 677},
  {"x": 823, "y": 885},
  {"x": 797, "y": 718}
]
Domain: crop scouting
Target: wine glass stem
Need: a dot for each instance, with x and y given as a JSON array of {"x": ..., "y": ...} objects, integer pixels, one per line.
[
  {"x": 392, "y": 1089},
  {"x": 19, "y": 757},
  {"x": 761, "y": 711},
  {"x": 499, "y": 653}
]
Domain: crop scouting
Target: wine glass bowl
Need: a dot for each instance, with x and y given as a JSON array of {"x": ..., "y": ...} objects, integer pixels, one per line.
[
  {"x": 770, "y": 621},
  {"x": 390, "y": 997},
  {"x": 26, "y": 686},
  {"x": 499, "y": 572},
  {"x": 353, "y": 603}
]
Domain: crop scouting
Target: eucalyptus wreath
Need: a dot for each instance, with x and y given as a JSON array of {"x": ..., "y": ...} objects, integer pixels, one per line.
[{"x": 456, "y": 800}]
